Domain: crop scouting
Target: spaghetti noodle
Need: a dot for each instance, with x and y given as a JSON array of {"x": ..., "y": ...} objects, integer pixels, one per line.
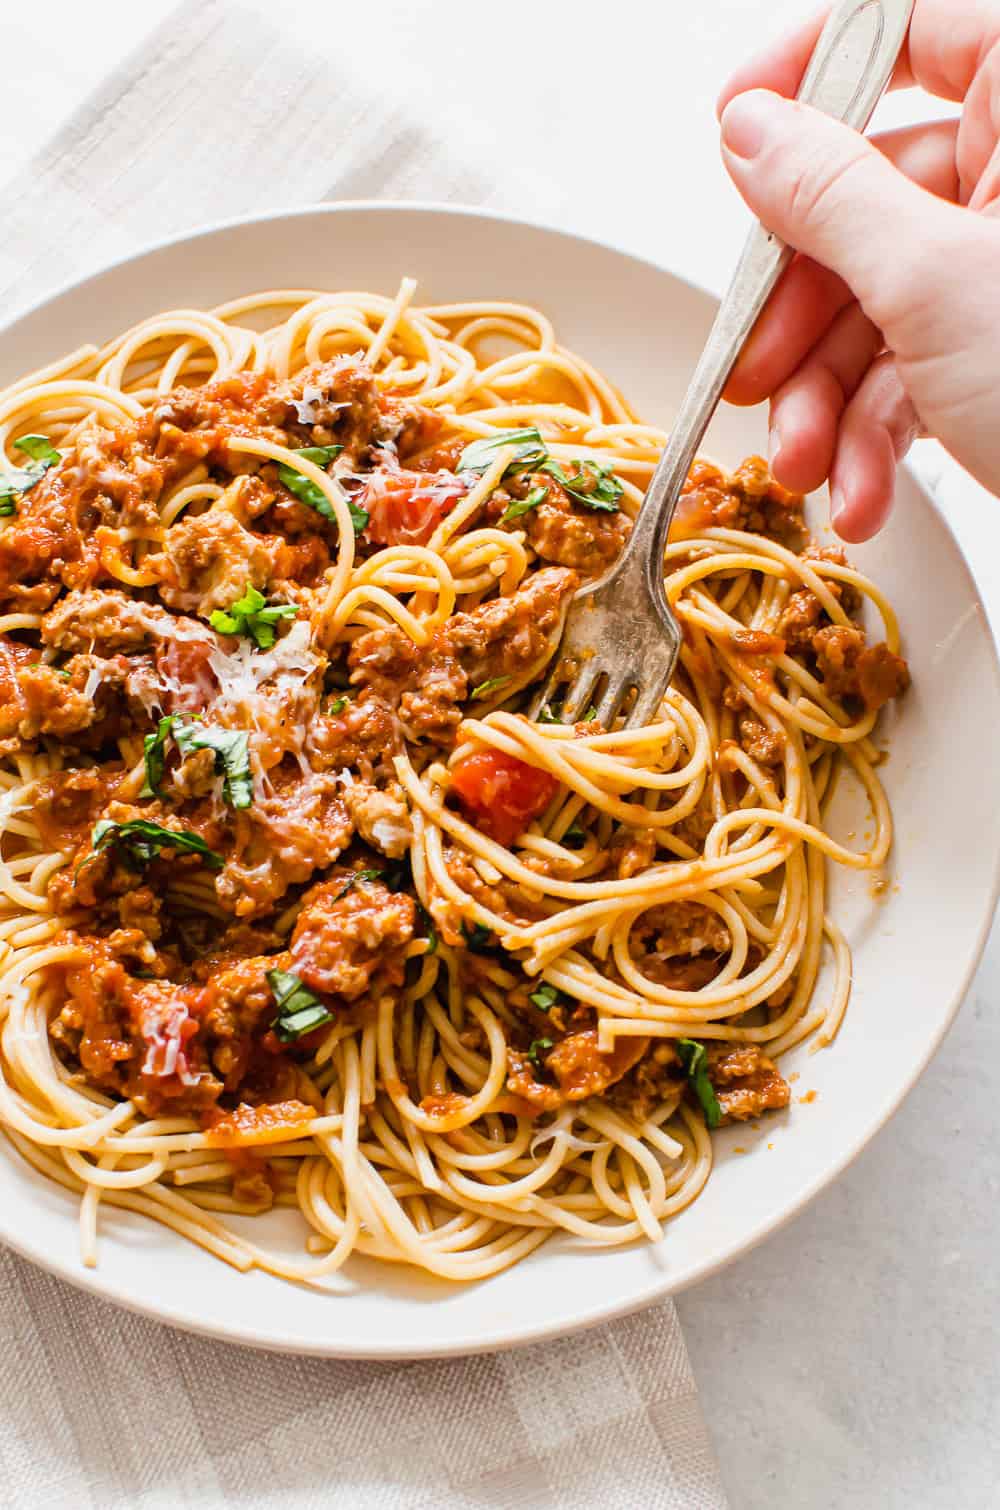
[{"x": 296, "y": 907}]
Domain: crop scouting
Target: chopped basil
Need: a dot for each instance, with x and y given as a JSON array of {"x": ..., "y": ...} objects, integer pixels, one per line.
[
  {"x": 590, "y": 715},
  {"x": 155, "y": 756},
  {"x": 359, "y": 875},
  {"x": 695, "y": 1061},
  {"x": 539, "y": 1046},
  {"x": 574, "y": 837},
  {"x": 144, "y": 840},
  {"x": 299, "y": 1011},
  {"x": 529, "y": 448},
  {"x": 232, "y": 756},
  {"x": 16, "y": 481},
  {"x": 524, "y": 505},
  {"x": 546, "y": 716},
  {"x": 253, "y": 616},
  {"x": 429, "y": 929},
  {"x": 478, "y": 938},
  {"x": 338, "y": 705},
  {"x": 312, "y": 496},
  {"x": 545, "y": 997},
  {"x": 593, "y": 485},
  {"x": 485, "y": 688},
  {"x": 39, "y": 448}
]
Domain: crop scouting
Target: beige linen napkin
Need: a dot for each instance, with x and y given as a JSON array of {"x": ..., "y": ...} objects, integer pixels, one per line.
[{"x": 224, "y": 112}]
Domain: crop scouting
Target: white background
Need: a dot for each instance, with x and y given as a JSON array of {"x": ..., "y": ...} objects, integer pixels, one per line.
[{"x": 852, "y": 1360}]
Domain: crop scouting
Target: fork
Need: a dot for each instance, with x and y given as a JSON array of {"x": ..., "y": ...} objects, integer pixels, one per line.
[{"x": 620, "y": 634}]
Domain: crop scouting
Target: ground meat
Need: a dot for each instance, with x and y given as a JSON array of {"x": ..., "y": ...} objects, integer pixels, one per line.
[
  {"x": 800, "y": 618},
  {"x": 680, "y": 945},
  {"x": 104, "y": 620},
  {"x": 633, "y": 850},
  {"x": 295, "y": 827},
  {"x": 746, "y": 1082},
  {"x": 850, "y": 669},
  {"x": 449, "y": 918},
  {"x": 208, "y": 560},
  {"x": 433, "y": 709},
  {"x": 848, "y": 595},
  {"x": 136, "y": 1038},
  {"x": 237, "y": 1001},
  {"x": 349, "y": 930},
  {"x": 382, "y": 818},
  {"x": 506, "y": 635},
  {"x": 578, "y": 1066},
  {"x": 683, "y": 928},
  {"x": 499, "y": 638},
  {"x": 75, "y": 701},
  {"x": 563, "y": 531},
  {"x": 749, "y": 500},
  {"x": 363, "y": 736},
  {"x": 656, "y": 1078},
  {"x": 766, "y": 746}
]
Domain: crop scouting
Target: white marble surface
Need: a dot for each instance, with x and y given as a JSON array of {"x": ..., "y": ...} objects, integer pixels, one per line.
[{"x": 852, "y": 1359}]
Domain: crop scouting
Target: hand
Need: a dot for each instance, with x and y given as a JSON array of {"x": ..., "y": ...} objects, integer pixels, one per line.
[{"x": 887, "y": 324}]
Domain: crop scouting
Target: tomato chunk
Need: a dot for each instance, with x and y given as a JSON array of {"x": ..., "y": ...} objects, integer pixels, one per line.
[
  {"x": 405, "y": 508},
  {"x": 501, "y": 794}
]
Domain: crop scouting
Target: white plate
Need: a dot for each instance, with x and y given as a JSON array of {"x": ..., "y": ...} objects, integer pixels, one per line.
[{"x": 914, "y": 950}]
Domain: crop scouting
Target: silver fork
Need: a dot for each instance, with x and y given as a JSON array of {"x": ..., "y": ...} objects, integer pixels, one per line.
[{"x": 620, "y": 634}]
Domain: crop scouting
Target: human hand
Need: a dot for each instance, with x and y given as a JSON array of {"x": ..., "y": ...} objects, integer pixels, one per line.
[{"x": 887, "y": 324}]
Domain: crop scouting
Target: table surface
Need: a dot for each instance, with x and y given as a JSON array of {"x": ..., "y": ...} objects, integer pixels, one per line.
[{"x": 851, "y": 1360}]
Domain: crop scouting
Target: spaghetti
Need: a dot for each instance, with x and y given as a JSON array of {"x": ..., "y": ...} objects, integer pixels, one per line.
[{"x": 298, "y": 909}]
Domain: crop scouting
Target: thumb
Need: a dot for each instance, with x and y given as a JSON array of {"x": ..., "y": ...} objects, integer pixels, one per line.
[{"x": 825, "y": 190}]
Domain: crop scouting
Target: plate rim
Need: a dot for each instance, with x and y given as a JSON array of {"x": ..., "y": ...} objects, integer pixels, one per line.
[{"x": 660, "y": 1287}]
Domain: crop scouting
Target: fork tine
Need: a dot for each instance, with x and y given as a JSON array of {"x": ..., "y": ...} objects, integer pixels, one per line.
[
  {"x": 648, "y": 699},
  {"x": 617, "y": 691},
  {"x": 577, "y": 694}
]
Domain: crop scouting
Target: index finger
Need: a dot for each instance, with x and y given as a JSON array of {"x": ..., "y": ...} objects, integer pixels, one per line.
[{"x": 947, "y": 45}]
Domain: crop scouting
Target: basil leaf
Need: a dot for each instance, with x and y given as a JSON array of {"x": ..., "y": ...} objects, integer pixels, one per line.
[
  {"x": 481, "y": 454},
  {"x": 39, "y": 448},
  {"x": 144, "y": 840},
  {"x": 695, "y": 1061},
  {"x": 546, "y": 716},
  {"x": 485, "y": 688},
  {"x": 16, "y": 481},
  {"x": 154, "y": 748},
  {"x": 478, "y": 938},
  {"x": 299, "y": 1011},
  {"x": 429, "y": 929},
  {"x": 539, "y": 1046},
  {"x": 338, "y": 705},
  {"x": 593, "y": 485},
  {"x": 545, "y": 998},
  {"x": 524, "y": 505},
  {"x": 232, "y": 756},
  {"x": 574, "y": 837},
  {"x": 252, "y": 616},
  {"x": 310, "y": 494}
]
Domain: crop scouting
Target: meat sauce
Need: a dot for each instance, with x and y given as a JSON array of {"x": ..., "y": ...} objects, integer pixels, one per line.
[{"x": 246, "y": 886}]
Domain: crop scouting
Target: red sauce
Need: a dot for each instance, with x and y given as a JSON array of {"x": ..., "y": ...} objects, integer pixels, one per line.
[{"x": 259, "y": 1124}]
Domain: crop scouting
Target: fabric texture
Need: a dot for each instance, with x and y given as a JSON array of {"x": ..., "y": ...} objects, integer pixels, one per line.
[{"x": 222, "y": 113}]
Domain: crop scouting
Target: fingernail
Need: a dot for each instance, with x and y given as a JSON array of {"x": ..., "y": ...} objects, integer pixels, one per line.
[
  {"x": 837, "y": 506},
  {"x": 775, "y": 441},
  {"x": 748, "y": 121}
]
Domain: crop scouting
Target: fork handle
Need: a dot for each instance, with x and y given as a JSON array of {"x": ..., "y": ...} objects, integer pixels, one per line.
[{"x": 849, "y": 70}]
